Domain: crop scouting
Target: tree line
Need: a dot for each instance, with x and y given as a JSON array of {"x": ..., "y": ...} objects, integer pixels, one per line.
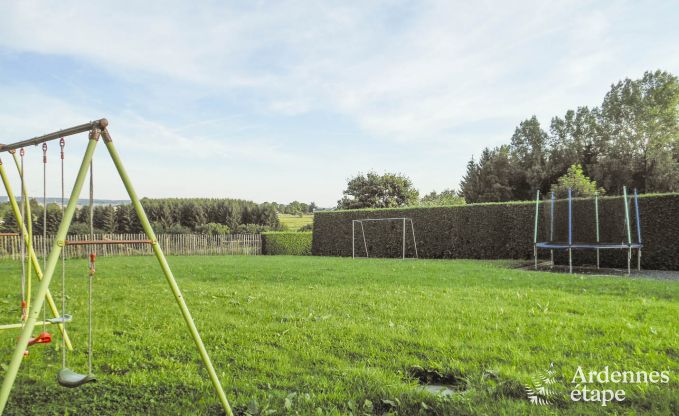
[
  {"x": 170, "y": 215},
  {"x": 295, "y": 208},
  {"x": 631, "y": 139}
]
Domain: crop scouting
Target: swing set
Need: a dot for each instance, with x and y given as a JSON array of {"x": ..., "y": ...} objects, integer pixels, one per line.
[{"x": 33, "y": 304}]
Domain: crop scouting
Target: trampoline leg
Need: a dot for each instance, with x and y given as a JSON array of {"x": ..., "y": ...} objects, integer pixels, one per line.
[
  {"x": 570, "y": 260},
  {"x": 535, "y": 256},
  {"x": 551, "y": 257},
  {"x": 597, "y": 259},
  {"x": 629, "y": 261},
  {"x": 639, "y": 259}
]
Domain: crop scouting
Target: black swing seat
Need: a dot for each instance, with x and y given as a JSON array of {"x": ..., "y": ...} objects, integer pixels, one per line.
[{"x": 71, "y": 379}]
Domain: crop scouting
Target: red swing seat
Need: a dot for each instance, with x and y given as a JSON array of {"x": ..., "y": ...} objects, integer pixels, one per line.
[{"x": 43, "y": 338}]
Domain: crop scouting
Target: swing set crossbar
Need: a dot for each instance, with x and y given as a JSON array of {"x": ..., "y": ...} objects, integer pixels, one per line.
[
  {"x": 97, "y": 124},
  {"x": 104, "y": 242}
]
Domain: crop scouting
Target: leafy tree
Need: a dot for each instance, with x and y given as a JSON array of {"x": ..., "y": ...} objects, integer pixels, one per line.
[
  {"x": 576, "y": 138},
  {"x": 296, "y": 208},
  {"x": 378, "y": 191},
  {"x": 579, "y": 184},
  {"x": 640, "y": 122},
  {"x": 447, "y": 197},
  {"x": 528, "y": 153}
]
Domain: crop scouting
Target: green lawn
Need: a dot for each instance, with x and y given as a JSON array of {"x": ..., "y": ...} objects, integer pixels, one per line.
[
  {"x": 295, "y": 222},
  {"x": 298, "y": 334}
]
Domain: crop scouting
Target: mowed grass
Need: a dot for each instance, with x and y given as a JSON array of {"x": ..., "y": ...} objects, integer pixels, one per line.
[
  {"x": 295, "y": 222},
  {"x": 305, "y": 335}
]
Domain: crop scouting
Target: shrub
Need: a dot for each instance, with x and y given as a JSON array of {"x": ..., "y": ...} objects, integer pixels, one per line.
[
  {"x": 251, "y": 229},
  {"x": 213, "y": 228},
  {"x": 159, "y": 228},
  {"x": 578, "y": 182},
  {"x": 286, "y": 243}
]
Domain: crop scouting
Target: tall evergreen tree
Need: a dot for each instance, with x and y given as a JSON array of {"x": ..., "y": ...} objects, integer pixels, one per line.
[{"x": 470, "y": 186}]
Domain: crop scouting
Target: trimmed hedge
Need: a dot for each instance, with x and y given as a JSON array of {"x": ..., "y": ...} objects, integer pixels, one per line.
[
  {"x": 505, "y": 231},
  {"x": 286, "y": 243}
]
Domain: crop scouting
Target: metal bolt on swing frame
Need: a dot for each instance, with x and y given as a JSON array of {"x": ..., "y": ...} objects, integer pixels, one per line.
[{"x": 100, "y": 126}]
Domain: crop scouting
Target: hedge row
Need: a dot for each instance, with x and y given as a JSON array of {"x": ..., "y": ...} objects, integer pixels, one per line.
[
  {"x": 505, "y": 231},
  {"x": 286, "y": 243}
]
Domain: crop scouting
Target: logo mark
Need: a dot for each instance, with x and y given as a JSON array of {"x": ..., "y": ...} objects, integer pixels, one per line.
[{"x": 541, "y": 391}]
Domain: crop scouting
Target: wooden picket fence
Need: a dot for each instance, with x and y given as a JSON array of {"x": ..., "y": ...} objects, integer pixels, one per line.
[{"x": 172, "y": 244}]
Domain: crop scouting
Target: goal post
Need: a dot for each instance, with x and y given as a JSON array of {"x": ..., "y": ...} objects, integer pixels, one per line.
[{"x": 357, "y": 226}]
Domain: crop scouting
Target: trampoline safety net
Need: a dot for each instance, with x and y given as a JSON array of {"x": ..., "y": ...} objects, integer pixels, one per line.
[{"x": 588, "y": 228}]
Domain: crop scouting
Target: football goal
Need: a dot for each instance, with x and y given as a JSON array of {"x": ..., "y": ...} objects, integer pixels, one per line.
[{"x": 360, "y": 226}]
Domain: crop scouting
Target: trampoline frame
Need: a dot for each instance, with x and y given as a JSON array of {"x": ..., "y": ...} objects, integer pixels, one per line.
[{"x": 598, "y": 245}]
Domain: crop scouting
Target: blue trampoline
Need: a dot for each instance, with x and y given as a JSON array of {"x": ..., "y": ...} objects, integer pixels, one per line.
[{"x": 569, "y": 243}]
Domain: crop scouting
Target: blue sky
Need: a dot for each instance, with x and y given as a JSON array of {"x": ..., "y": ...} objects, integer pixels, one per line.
[{"x": 286, "y": 100}]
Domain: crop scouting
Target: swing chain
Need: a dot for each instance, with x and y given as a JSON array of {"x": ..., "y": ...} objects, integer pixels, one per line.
[
  {"x": 93, "y": 258},
  {"x": 24, "y": 290},
  {"x": 62, "y": 254},
  {"x": 44, "y": 225}
]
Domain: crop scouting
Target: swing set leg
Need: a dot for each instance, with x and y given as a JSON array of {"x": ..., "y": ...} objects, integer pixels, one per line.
[{"x": 186, "y": 314}]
